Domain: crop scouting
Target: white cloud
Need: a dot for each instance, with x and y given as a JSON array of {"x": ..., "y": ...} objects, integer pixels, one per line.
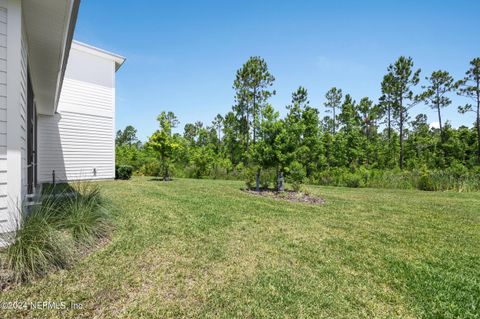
[{"x": 435, "y": 125}]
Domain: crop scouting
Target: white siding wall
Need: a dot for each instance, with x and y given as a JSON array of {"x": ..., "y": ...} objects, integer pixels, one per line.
[
  {"x": 23, "y": 113},
  {"x": 3, "y": 113},
  {"x": 78, "y": 142},
  {"x": 13, "y": 91}
]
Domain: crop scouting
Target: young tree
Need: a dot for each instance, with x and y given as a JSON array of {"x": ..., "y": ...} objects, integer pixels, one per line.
[
  {"x": 268, "y": 150},
  {"x": 167, "y": 121},
  {"x": 421, "y": 144},
  {"x": 311, "y": 140},
  {"x": 350, "y": 131},
  {"x": 470, "y": 87},
  {"x": 190, "y": 133},
  {"x": 440, "y": 83},
  {"x": 334, "y": 100},
  {"x": 232, "y": 138},
  {"x": 127, "y": 137},
  {"x": 387, "y": 104},
  {"x": 217, "y": 124},
  {"x": 348, "y": 116},
  {"x": 398, "y": 84},
  {"x": 162, "y": 142},
  {"x": 368, "y": 114},
  {"x": 252, "y": 86}
]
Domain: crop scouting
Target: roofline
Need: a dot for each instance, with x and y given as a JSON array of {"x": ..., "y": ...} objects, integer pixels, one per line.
[{"x": 118, "y": 59}]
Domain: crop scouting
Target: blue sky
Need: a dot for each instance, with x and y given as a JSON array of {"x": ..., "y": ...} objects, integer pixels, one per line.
[{"x": 182, "y": 55}]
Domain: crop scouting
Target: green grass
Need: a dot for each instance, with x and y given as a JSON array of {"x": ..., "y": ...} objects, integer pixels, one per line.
[
  {"x": 84, "y": 214},
  {"x": 203, "y": 248},
  {"x": 38, "y": 246}
]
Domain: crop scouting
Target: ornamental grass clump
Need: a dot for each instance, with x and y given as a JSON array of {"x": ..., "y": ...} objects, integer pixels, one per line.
[
  {"x": 84, "y": 214},
  {"x": 52, "y": 233},
  {"x": 38, "y": 244}
]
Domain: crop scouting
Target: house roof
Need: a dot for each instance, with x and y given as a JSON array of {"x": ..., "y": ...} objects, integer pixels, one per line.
[
  {"x": 49, "y": 26},
  {"x": 118, "y": 59}
]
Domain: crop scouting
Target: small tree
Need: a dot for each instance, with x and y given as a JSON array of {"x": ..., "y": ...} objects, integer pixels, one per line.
[
  {"x": 162, "y": 142},
  {"x": 470, "y": 87},
  {"x": 217, "y": 123},
  {"x": 440, "y": 83},
  {"x": 368, "y": 114},
  {"x": 398, "y": 84},
  {"x": 268, "y": 150},
  {"x": 296, "y": 175},
  {"x": 127, "y": 137},
  {"x": 311, "y": 140},
  {"x": 387, "y": 103},
  {"x": 334, "y": 100},
  {"x": 252, "y": 86}
]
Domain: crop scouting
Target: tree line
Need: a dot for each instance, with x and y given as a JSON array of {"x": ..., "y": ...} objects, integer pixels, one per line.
[{"x": 252, "y": 140}]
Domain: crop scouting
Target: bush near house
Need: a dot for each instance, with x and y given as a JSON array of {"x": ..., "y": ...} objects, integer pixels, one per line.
[
  {"x": 54, "y": 232},
  {"x": 38, "y": 245},
  {"x": 123, "y": 172}
]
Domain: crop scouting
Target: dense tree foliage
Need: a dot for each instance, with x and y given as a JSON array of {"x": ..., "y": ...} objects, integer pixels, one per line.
[{"x": 358, "y": 143}]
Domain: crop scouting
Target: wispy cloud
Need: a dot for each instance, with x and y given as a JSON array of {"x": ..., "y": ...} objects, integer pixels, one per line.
[{"x": 338, "y": 65}]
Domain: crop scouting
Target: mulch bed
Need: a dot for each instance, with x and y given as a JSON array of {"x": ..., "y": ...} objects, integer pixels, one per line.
[{"x": 290, "y": 196}]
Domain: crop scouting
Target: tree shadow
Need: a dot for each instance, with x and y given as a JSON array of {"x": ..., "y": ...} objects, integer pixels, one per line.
[{"x": 160, "y": 179}]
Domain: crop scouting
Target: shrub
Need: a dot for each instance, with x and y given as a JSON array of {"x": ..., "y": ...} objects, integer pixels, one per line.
[
  {"x": 353, "y": 180},
  {"x": 44, "y": 238},
  {"x": 38, "y": 245},
  {"x": 268, "y": 177},
  {"x": 151, "y": 168},
  {"x": 123, "y": 172},
  {"x": 84, "y": 215},
  {"x": 296, "y": 175},
  {"x": 425, "y": 182},
  {"x": 305, "y": 190},
  {"x": 250, "y": 174}
]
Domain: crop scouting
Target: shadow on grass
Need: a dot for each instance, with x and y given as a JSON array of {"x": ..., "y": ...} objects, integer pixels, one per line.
[{"x": 159, "y": 179}]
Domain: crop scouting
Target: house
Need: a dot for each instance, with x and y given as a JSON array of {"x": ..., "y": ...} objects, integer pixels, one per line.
[{"x": 57, "y": 103}]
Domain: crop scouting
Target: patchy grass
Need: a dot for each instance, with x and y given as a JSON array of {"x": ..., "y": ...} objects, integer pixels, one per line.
[{"x": 203, "y": 248}]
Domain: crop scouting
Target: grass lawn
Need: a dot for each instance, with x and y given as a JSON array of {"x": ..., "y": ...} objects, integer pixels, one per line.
[{"x": 203, "y": 248}]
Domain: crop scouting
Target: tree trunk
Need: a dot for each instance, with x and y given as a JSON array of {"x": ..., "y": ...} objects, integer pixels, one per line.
[
  {"x": 440, "y": 123},
  {"x": 280, "y": 184},
  {"x": 401, "y": 135},
  {"x": 334, "y": 121},
  {"x": 254, "y": 116},
  {"x": 247, "y": 132},
  {"x": 389, "y": 125},
  {"x": 165, "y": 168},
  {"x": 478, "y": 124}
]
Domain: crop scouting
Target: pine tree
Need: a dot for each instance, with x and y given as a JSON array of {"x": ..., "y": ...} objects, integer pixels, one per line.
[
  {"x": 334, "y": 100},
  {"x": 398, "y": 84},
  {"x": 470, "y": 87}
]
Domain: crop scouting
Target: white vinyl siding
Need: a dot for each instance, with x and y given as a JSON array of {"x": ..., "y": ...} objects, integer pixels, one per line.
[
  {"x": 78, "y": 141},
  {"x": 23, "y": 113},
  {"x": 3, "y": 113}
]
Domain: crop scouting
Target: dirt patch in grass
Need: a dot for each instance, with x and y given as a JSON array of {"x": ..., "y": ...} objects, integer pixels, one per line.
[{"x": 290, "y": 196}]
